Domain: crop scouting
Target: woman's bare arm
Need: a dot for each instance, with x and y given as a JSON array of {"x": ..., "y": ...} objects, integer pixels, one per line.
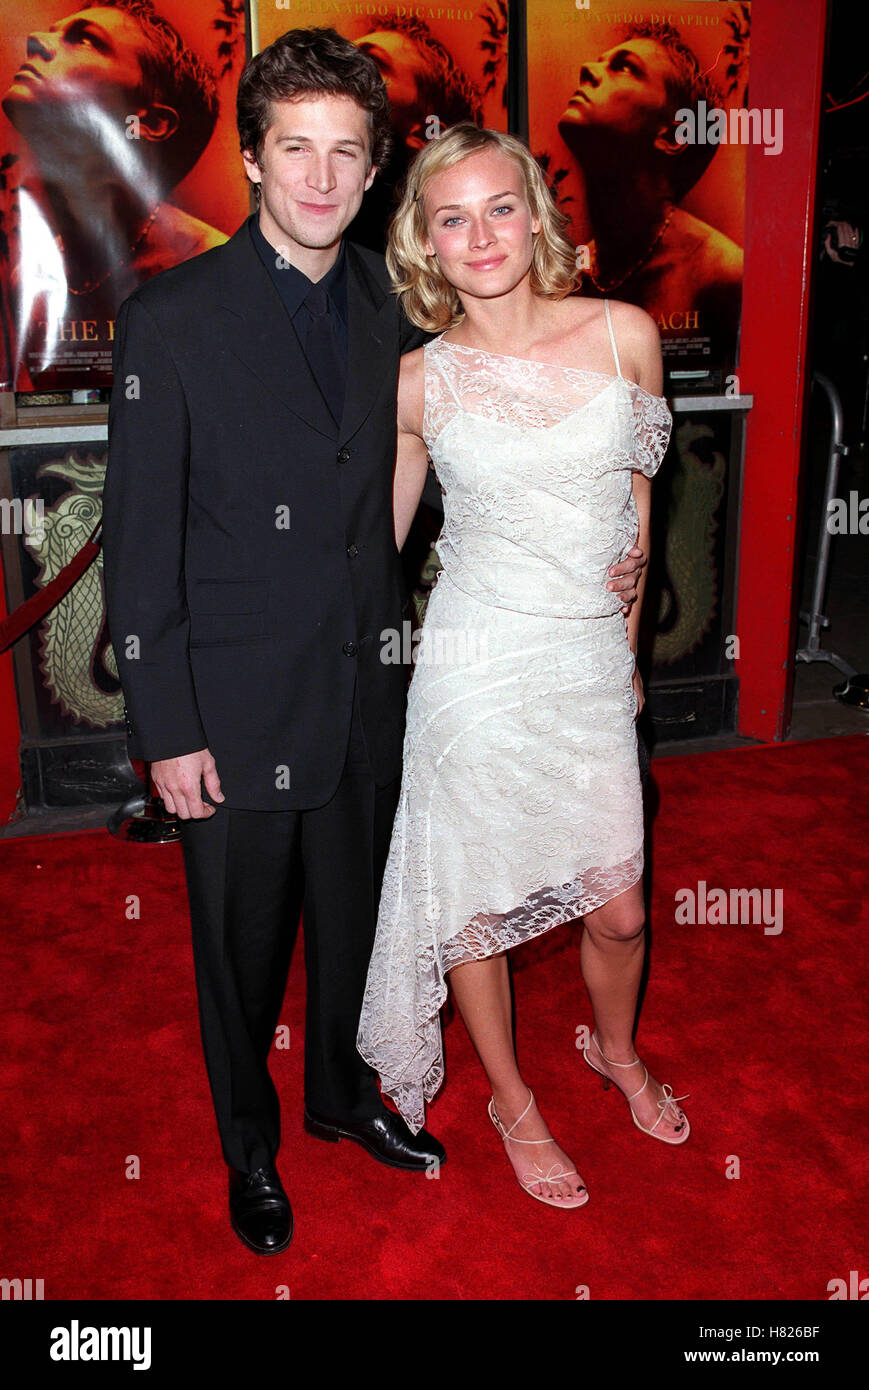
[
  {"x": 411, "y": 464},
  {"x": 643, "y": 499},
  {"x": 643, "y": 364}
]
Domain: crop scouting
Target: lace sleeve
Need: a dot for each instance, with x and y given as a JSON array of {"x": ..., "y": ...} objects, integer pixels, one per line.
[{"x": 652, "y": 425}]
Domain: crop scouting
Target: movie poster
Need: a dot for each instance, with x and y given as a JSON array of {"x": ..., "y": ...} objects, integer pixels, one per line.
[
  {"x": 441, "y": 66},
  {"x": 639, "y": 119},
  {"x": 118, "y": 159}
]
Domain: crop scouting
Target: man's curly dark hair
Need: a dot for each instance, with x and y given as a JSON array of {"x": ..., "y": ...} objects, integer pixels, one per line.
[{"x": 311, "y": 62}]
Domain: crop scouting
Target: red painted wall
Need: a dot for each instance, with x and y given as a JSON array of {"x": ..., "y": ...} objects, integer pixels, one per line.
[{"x": 787, "y": 51}]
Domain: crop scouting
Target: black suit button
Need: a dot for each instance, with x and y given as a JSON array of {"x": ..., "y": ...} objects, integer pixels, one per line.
[
  {"x": 343, "y": 455},
  {"x": 349, "y": 649},
  {"x": 352, "y": 551}
]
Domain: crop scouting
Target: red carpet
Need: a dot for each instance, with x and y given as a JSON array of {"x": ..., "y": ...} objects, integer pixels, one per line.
[{"x": 101, "y": 1061}]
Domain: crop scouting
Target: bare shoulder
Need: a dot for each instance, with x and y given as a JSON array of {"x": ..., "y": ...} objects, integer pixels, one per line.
[
  {"x": 633, "y": 325},
  {"x": 411, "y": 391},
  {"x": 639, "y": 343}
]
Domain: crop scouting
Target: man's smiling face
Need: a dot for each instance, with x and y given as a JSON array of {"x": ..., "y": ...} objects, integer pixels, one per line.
[{"x": 313, "y": 170}]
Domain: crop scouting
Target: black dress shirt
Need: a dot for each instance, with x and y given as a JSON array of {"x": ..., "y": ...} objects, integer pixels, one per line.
[{"x": 293, "y": 286}]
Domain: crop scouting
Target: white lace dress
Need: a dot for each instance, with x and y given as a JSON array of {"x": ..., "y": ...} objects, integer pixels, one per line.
[{"x": 520, "y": 803}]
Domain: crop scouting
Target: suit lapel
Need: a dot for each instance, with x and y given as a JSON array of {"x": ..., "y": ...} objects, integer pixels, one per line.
[
  {"x": 255, "y": 326},
  {"x": 369, "y": 346}
]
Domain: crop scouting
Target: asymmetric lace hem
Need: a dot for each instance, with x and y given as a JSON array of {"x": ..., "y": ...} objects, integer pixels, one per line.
[{"x": 416, "y": 1043}]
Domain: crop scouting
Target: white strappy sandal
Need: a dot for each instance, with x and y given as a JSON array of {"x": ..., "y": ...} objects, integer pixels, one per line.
[
  {"x": 669, "y": 1103},
  {"x": 556, "y": 1172}
]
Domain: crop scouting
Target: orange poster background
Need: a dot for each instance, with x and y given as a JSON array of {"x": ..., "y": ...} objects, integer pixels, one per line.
[
  {"x": 562, "y": 36},
  {"x": 461, "y": 34},
  {"x": 76, "y": 350},
  {"x": 215, "y": 189}
]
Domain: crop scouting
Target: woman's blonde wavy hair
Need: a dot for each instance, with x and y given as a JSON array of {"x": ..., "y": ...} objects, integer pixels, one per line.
[{"x": 428, "y": 299}]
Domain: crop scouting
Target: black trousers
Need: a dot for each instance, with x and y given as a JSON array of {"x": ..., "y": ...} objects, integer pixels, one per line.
[{"x": 248, "y": 874}]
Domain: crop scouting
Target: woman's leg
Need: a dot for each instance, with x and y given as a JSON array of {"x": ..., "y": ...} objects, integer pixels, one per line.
[
  {"x": 612, "y": 952},
  {"x": 482, "y": 992}
]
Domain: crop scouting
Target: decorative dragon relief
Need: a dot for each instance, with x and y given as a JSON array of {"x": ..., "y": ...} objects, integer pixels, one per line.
[
  {"x": 690, "y": 596},
  {"x": 76, "y": 658}
]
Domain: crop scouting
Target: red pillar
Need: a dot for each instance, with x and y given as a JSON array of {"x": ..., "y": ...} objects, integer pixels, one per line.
[{"x": 787, "y": 55}]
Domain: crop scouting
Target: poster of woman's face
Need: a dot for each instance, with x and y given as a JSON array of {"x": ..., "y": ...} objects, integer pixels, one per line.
[
  {"x": 440, "y": 67},
  {"x": 628, "y": 119},
  {"x": 118, "y": 159}
]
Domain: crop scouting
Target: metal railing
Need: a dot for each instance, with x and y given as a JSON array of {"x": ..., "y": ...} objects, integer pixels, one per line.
[{"x": 817, "y": 622}]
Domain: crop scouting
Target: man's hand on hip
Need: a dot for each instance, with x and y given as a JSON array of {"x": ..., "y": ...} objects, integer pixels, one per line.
[
  {"x": 178, "y": 781},
  {"x": 625, "y": 577}
]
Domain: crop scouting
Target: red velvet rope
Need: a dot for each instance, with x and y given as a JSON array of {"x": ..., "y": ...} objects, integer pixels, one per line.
[{"x": 30, "y": 612}]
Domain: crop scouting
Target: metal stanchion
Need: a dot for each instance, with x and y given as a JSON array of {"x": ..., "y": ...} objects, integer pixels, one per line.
[
  {"x": 144, "y": 820},
  {"x": 854, "y": 690}
]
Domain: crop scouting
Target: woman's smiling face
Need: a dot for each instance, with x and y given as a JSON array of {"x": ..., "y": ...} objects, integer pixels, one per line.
[{"x": 480, "y": 225}]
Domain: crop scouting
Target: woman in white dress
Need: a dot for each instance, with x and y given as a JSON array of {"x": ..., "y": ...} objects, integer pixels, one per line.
[{"x": 520, "y": 806}]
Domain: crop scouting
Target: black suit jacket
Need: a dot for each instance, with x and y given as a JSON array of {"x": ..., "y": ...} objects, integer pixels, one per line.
[{"x": 250, "y": 561}]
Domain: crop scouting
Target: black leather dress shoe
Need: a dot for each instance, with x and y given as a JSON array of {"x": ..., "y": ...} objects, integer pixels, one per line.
[
  {"x": 386, "y": 1137},
  {"x": 259, "y": 1210}
]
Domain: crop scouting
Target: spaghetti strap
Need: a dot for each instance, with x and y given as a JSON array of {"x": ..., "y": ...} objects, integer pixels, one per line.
[{"x": 609, "y": 324}]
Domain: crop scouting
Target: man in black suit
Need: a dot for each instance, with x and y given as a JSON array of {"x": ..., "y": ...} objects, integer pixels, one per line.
[
  {"x": 250, "y": 569},
  {"x": 252, "y": 577}
]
